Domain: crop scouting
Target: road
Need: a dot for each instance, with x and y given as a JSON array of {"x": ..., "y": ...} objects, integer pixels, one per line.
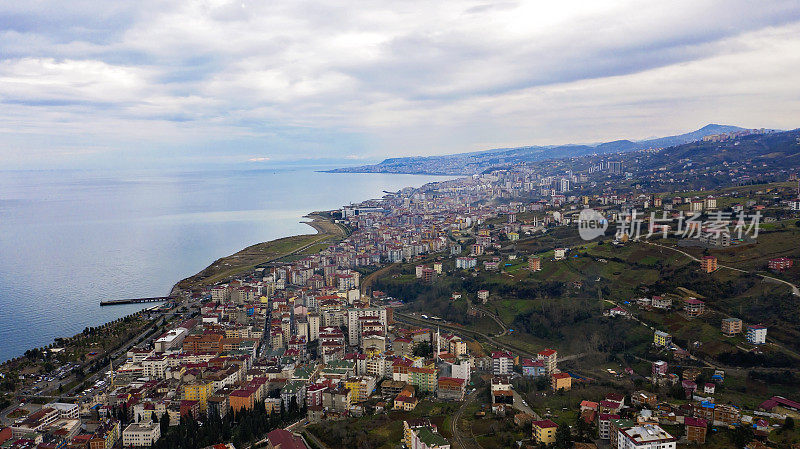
[
  {"x": 520, "y": 405},
  {"x": 409, "y": 319},
  {"x": 119, "y": 356},
  {"x": 496, "y": 320},
  {"x": 49, "y": 389},
  {"x": 299, "y": 428},
  {"x": 795, "y": 289},
  {"x": 368, "y": 280},
  {"x": 464, "y": 441},
  {"x": 652, "y": 328}
]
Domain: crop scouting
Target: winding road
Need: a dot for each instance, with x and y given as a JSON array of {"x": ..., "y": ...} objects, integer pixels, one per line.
[
  {"x": 409, "y": 319},
  {"x": 462, "y": 441},
  {"x": 795, "y": 289}
]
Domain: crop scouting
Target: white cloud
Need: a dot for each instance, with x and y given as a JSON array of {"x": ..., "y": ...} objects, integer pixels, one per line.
[{"x": 353, "y": 79}]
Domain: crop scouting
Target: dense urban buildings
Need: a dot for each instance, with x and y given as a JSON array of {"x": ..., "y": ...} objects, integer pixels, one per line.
[{"x": 338, "y": 334}]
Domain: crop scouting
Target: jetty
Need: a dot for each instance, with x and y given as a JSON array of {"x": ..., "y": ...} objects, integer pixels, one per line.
[{"x": 114, "y": 302}]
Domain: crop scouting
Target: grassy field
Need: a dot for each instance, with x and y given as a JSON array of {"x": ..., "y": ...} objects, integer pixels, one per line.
[
  {"x": 384, "y": 431},
  {"x": 261, "y": 253}
]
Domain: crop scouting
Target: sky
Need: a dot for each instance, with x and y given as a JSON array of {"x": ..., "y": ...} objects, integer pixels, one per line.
[{"x": 142, "y": 83}]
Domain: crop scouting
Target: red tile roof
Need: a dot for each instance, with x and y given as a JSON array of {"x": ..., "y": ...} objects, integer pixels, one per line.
[
  {"x": 695, "y": 422},
  {"x": 544, "y": 424},
  {"x": 285, "y": 440}
]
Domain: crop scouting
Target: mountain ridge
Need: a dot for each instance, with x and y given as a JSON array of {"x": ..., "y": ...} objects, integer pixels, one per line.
[{"x": 473, "y": 162}]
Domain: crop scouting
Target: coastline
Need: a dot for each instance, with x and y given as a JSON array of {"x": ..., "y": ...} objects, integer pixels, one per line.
[
  {"x": 297, "y": 244},
  {"x": 402, "y": 172},
  {"x": 263, "y": 253},
  {"x": 325, "y": 229}
]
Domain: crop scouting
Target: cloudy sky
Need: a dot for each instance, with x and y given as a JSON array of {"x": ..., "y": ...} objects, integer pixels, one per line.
[{"x": 150, "y": 83}]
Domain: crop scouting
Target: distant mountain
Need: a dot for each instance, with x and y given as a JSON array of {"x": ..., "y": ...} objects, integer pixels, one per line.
[
  {"x": 693, "y": 136},
  {"x": 480, "y": 161},
  {"x": 757, "y": 149}
]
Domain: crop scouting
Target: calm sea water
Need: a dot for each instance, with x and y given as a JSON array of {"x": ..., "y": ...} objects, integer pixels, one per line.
[{"x": 69, "y": 239}]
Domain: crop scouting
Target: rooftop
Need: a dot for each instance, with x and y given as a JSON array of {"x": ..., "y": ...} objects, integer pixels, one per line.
[{"x": 647, "y": 433}]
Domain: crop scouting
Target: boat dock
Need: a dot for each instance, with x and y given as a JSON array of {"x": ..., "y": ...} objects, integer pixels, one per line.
[{"x": 114, "y": 302}]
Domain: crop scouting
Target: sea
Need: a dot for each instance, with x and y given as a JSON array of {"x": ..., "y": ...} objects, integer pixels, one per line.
[{"x": 71, "y": 238}]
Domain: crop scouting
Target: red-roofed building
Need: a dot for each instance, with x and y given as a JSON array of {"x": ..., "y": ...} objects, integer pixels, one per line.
[
  {"x": 282, "y": 439},
  {"x": 561, "y": 381},
  {"x": 451, "y": 388},
  {"x": 502, "y": 363},
  {"x": 604, "y": 425},
  {"x": 694, "y": 307},
  {"x": 533, "y": 368},
  {"x": 695, "y": 429},
  {"x": 780, "y": 263},
  {"x": 608, "y": 406},
  {"x": 544, "y": 431},
  {"x": 549, "y": 357},
  {"x": 589, "y": 405},
  {"x": 781, "y": 405},
  {"x": 242, "y": 399}
]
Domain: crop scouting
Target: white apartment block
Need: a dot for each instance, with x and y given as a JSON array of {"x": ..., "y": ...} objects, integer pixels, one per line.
[
  {"x": 313, "y": 327},
  {"x": 220, "y": 294},
  {"x": 647, "y": 436},
  {"x": 66, "y": 410},
  {"x": 353, "y": 315},
  {"x": 466, "y": 263},
  {"x": 502, "y": 363},
  {"x": 756, "y": 335},
  {"x": 141, "y": 435}
]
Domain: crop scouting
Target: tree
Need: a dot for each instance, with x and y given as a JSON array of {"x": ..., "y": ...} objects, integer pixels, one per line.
[
  {"x": 583, "y": 430},
  {"x": 563, "y": 436},
  {"x": 423, "y": 349},
  {"x": 154, "y": 417},
  {"x": 741, "y": 435},
  {"x": 164, "y": 423},
  {"x": 677, "y": 391}
]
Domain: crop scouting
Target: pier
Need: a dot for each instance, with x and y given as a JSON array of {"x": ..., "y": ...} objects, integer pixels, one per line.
[{"x": 114, "y": 302}]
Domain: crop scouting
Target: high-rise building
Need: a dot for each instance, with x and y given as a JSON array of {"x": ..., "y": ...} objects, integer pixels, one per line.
[{"x": 615, "y": 167}]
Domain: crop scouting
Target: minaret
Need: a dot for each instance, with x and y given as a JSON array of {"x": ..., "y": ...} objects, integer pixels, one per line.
[
  {"x": 111, "y": 367},
  {"x": 438, "y": 343}
]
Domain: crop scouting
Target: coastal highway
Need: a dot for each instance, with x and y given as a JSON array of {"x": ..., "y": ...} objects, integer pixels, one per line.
[{"x": 48, "y": 390}]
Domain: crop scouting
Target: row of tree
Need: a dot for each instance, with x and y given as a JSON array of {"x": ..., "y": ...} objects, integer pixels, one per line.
[{"x": 243, "y": 428}]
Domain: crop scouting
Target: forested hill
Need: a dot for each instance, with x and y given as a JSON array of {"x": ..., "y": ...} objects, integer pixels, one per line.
[{"x": 479, "y": 161}]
